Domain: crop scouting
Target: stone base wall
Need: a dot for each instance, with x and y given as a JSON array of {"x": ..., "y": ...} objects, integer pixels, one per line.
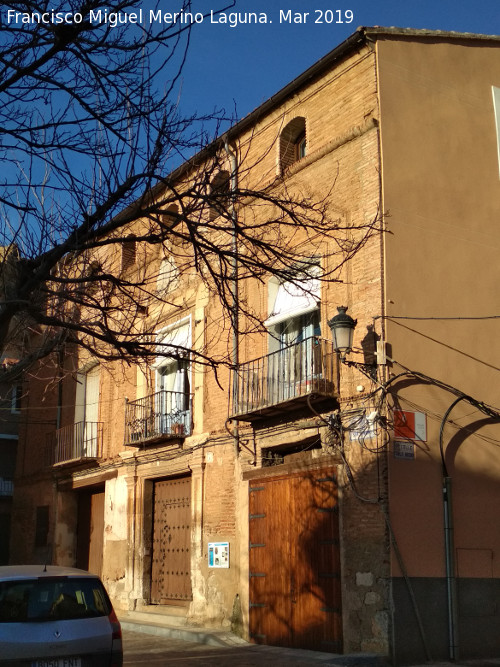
[{"x": 478, "y": 619}]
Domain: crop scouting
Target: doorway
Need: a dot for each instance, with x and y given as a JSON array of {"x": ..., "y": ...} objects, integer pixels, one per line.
[
  {"x": 294, "y": 561},
  {"x": 90, "y": 530},
  {"x": 171, "y": 562}
]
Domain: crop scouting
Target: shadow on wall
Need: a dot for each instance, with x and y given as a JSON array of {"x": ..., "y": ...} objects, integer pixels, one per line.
[{"x": 471, "y": 453}]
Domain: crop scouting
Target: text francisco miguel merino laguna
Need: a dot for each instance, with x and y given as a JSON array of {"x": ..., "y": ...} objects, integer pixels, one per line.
[{"x": 114, "y": 19}]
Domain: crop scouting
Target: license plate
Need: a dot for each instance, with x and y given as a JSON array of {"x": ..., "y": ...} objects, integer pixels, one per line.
[{"x": 58, "y": 662}]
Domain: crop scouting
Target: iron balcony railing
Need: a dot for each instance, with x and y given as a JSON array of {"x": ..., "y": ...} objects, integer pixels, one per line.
[
  {"x": 264, "y": 386},
  {"x": 165, "y": 413},
  {"x": 81, "y": 440}
]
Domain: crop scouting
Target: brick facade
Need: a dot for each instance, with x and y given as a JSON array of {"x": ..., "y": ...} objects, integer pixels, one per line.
[{"x": 349, "y": 110}]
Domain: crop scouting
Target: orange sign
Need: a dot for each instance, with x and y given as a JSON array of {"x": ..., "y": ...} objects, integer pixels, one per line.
[{"x": 410, "y": 425}]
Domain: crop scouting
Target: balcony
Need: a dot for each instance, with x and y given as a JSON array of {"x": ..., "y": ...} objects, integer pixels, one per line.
[
  {"x": 159, "y": 415},
  {"x": 76, "y": 442},
  {"x": 284, "y": 381}
]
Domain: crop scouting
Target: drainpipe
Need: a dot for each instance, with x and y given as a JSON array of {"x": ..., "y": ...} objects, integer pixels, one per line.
[
  {"x": 449, "y": 544},
  {"x": 60, "y": 373},
  {"x": 234, "y": 283},
  {"x": 451, "y": 581}
]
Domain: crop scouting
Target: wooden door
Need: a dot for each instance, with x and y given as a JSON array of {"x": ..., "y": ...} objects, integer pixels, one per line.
[
  {"x": 90, "y": 537},
  {"x": 295, "y": 597},
  {"x": 171, "y": 565},
  {"x": 96, "y": 543}
]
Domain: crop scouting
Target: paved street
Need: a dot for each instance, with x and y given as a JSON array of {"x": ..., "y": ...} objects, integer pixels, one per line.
[
  {"x": 146, "y": 649},
  {"x": 142, "y": 649}
]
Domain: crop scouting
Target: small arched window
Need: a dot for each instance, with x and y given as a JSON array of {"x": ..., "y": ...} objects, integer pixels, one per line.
[
  {"x": 293, "y": 145},
  {"x": 219, "y": 193}
]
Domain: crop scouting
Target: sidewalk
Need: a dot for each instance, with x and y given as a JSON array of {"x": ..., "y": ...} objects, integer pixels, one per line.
[
  {"x": 263, "y": 655},
  {"x": 241, "y": 652}
]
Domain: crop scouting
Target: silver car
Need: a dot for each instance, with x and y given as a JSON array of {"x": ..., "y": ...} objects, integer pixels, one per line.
[{"x": 56, "y": 617}]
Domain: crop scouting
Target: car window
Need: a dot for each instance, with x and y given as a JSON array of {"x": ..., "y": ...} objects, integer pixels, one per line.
[{"x": 52, "y": 599}]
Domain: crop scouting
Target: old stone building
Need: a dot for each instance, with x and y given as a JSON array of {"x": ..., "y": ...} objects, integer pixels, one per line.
[{"x": 300, "y": 498}]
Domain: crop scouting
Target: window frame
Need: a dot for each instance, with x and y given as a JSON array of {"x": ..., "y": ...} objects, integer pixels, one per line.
[{"x": 177, "y": 334}]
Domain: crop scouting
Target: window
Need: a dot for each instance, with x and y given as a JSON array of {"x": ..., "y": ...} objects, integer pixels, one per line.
[
  {"x": 173, "y": 383},
  {"x": 294, "y": 327},
  {"x": 300, "y": 146},
  {"x": 87, "y": 411},
  {"x": 289, "y": 300},
  {"x": 298, "y": 329},
  {"x": 50, "y": 599},
  {"x": 293, "y": 144},
  {"x": 128, "y": 252},
  {"x": 87, "y": 395},
  {"x": 173, "y": 388},
  {"x": 168, "y": 275},
  {"x": 219, "y": 194}
]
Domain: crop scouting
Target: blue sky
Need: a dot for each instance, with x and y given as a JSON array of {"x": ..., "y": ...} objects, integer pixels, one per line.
[{"x": 241, "y": 67}]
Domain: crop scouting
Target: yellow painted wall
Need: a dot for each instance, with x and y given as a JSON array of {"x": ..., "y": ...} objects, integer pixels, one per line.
[{"x": 441, "y": 193}]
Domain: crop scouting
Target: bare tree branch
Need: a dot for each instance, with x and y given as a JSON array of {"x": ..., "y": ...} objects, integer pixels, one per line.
[{"x": 92, "y": 137}]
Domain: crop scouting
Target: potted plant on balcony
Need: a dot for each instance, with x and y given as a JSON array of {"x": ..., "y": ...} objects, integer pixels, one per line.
[{"x": 178, "y": 428}]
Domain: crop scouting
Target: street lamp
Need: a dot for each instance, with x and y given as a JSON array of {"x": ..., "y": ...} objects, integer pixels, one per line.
[{"x": 342, "y": 326}]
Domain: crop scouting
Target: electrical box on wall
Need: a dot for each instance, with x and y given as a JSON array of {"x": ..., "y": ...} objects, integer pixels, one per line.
[{"x": 218, "y": 554}]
